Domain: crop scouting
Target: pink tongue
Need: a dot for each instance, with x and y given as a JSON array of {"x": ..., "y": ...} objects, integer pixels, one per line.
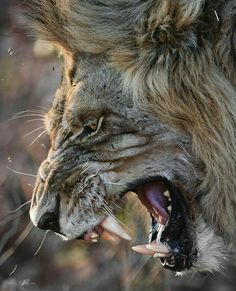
[{"x": 151, "y": 195}]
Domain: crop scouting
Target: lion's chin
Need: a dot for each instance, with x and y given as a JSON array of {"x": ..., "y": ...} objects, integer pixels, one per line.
[{"x": 171, "y": 225}]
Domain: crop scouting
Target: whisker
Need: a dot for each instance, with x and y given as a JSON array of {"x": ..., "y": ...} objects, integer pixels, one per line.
[
  {"x": 16, "y": 244},
  {"x": 28, "y": 111},
  {"x": 21, "y": 173},
  {"x": 108, "y": 211},
  {"x": 122, "y": 200},
  {"x": 26, "y": 115},
  {"x": 11, "y": 217},
  {"x": 38, "y": 137},
  {"x": 44, "y": 108},
  {"x": 120, "y": 208},
  {"x": 191, "y": 166},
  {"x": 113, "y": 183},
  {"x": 7, "y": 235},
  {"x": 37, "y": 129},
  {"x": 36, "y": 119},
  {"x": 42, "y": 242},
  {"x": 13, "y": 271},
  {"x": 19, "y": 208},
  {"x": 188, "y": 154}
]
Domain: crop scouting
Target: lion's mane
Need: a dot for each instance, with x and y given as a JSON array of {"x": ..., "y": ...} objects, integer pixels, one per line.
[{"x": 178, "y": 58}]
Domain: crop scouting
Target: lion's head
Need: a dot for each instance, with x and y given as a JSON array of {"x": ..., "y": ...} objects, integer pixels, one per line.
[{"x": 146, "y": 104}]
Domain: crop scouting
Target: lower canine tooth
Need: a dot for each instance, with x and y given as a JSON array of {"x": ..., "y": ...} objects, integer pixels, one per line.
[
  {"x": 141, "y": 249},
  {"x": 158, "y": 248},
  {"x": 158, "y": 255},
  {"x": 111, "y": 225}
]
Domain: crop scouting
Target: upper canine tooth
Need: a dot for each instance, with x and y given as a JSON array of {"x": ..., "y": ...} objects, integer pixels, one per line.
[
  {"x": 111, "y": 225},
  {"x": 167, "y": 193}
]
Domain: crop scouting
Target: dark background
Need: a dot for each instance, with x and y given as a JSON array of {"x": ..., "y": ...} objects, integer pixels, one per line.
[{"x": 31, "y": 259}]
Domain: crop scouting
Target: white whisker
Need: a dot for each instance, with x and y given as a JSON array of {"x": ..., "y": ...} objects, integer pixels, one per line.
[
  {"x": 28, "y": 111},
  {"x": 113, "y": 183},
  {"x": 13, "y": 271},
  {"x": 120, "y": 208},
  {"x": 21, "y": 173},
  {"x": 184, "y": 149},
  {"x": 109, "y": 211},
  {"x": 35, "y": 119},
  {"x": 27, "y": 115},
  {"x": 19, "y": 208},
  {"x": 37, "y": 129},
  {"x": 38, "y": 137},
  {"x": 16, "y": 244},
  {"x": 42, "y": 242}
]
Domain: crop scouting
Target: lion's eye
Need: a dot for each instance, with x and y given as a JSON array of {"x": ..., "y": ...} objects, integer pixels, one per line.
[{"x": 91, "y": 127}]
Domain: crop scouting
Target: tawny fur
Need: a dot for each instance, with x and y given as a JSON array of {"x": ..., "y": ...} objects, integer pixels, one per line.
[{"x": 178, "y": 60}]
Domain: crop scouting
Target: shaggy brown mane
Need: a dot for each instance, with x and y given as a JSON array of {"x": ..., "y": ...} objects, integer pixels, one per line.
[{"x": 179, "y": 60}]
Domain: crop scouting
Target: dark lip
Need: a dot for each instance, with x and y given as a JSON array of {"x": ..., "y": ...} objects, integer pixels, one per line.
[{"x": 179, "y": 233}]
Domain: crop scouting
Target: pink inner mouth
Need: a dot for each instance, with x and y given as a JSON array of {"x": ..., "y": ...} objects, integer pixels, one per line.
[{"x": 151, "y": 195}]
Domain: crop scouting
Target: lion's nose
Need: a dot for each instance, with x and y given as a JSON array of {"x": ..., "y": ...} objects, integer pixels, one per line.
[{"x": 49, "y": 220}]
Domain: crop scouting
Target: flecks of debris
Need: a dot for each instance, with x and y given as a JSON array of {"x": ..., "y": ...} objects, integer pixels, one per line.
[{"x": 10, "y": 51}]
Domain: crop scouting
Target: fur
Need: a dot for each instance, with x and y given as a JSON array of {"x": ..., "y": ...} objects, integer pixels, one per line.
[{"x": 177, "y": 60}]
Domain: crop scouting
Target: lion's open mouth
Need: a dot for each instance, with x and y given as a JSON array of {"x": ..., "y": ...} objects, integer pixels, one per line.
[
  {"x": 171, "y": 236},
  {"x": 171, "y": 225}
]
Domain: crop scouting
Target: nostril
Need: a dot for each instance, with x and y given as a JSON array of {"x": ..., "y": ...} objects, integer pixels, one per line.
[{"x": 49, "y": 220}]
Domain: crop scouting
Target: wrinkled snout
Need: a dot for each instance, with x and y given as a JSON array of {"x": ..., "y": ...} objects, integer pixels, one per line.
[{"x": 44, "y": 211}]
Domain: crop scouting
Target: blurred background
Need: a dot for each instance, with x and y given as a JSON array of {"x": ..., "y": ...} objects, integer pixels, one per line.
[{"x": 31, "y": 259}]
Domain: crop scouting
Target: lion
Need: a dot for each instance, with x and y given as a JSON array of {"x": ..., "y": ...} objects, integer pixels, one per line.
[{"x": 147, "y": 103}]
